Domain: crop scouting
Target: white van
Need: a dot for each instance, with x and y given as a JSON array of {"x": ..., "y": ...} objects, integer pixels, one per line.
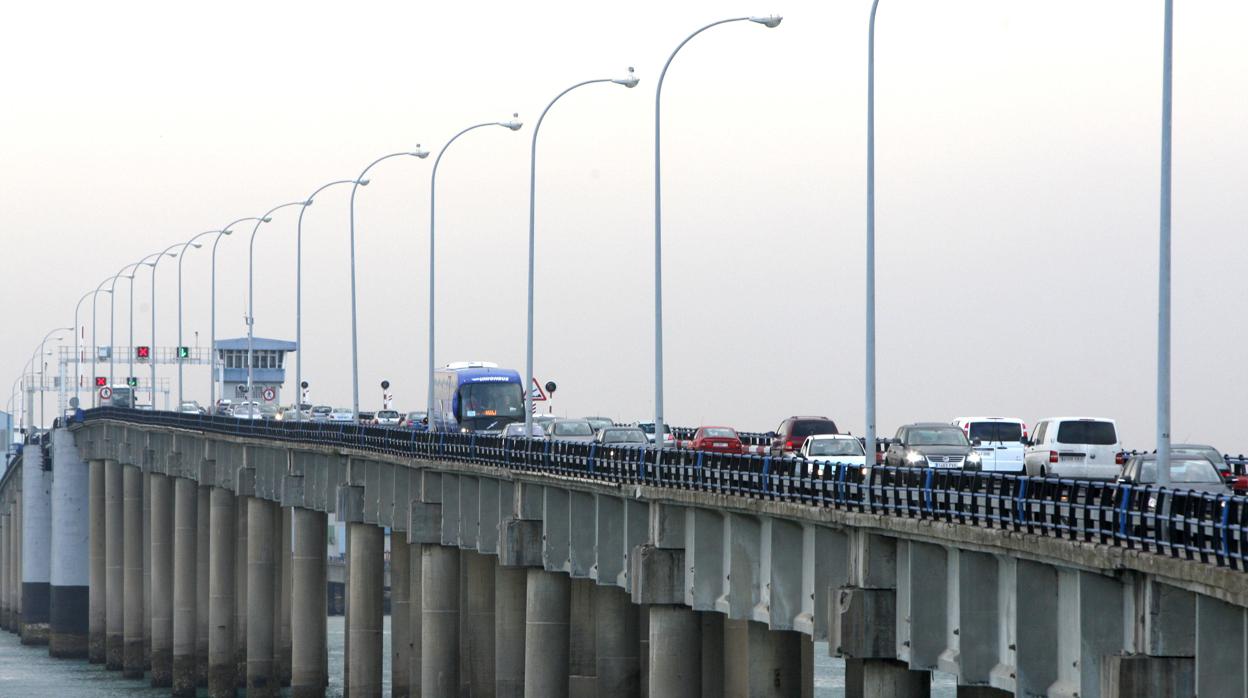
[
  {"x": 1078, "y": 447},
  {"x": 1001, "y": 441}
]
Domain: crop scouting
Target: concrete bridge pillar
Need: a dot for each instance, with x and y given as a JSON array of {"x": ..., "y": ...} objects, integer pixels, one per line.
[
  {"x": 617, "y": 657},
  {"x": 15, "y": 568},
  {"x": 582, "y": 639},
  {"x": 477, "y": 618},
  {"x": 5, "y": 523},
  {"x": 439, "y": 632},
  {"x": 365, "y": 622},
  {"x": 713, "y": 657},
  {"x": 114, "y": 564},
  {"x": 509, "y": 627},
  {"x": 185, "y": 601},
  {"x": 222, "y": 669},
  {"x": 145, "y": 524},
  {"x": 132, "y": 628},
  {"x": 260, "y": 554},
  {"x": 760, "y": 662},
  {"x": 285, "y": 570},
  {"x": 400, "y": 616},
  {"x": 35, "y": 542},
  {"x": 203, "y": 549},
  {"x": 96, "y": 617},
  {"x": 307, "y": 615},
  {"x": 162, "y": 531},
  {"x": 414, "y": 617},
  {"x": 675, "y": 651},
  {"x": 885, "y": 678},
  {"x": 69, "y": 573},
  {"x": 546, "y": 641},
  {"x": 242, "y": 513}
]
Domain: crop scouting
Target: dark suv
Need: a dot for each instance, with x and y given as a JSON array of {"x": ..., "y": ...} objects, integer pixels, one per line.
[{"x": 788, "y": 438}]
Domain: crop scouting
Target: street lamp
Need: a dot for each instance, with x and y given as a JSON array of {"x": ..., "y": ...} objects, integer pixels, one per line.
[
  {"x": 514, "y": 124},
  {"x": 869, "y": 441},
  {"x": 212, "y": 342},
  {"x": 112, "y": 317},
  {"x": 769, "y": 22},
  {"x": 355, "y": 354},
  {"x": 630, "y": 81},
  {"x": 152, "y": 350},
  {"x": 42, "y": 351},
  {"x": 181, "y": 258},
  {"x": 1163, "y": 267},
  {"x": 77, "y": 356},
  {"x": 251, "y": 305},
  {"x": 299, "y": 285},
  {"x": 95, "y": 346}
]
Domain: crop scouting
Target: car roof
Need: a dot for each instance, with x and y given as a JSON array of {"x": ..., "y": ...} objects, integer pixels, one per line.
[
  {"x": 713, "y": 426},
  {"x": 1011, "y": 420},
  {"x": 1077, "y": 419},
  {"x": 832, "y": 437},
  {"x": 825, "y": 419},
  {"x": 928, "y": 424}
]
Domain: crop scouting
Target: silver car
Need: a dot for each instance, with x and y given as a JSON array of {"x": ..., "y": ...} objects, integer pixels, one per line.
[
  {"x": 340, "y": 414},
  {"x": 570, "y": 430},
  {"x": 516, "y": 430},
  {"x": 387, "y": 418}
]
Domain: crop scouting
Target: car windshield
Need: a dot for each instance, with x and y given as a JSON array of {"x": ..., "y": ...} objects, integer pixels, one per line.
[
  {"x": 1208, "y": 452},
  {"x": 572, "y": 429},
  {"x": 648, "y": 427},
  {"x": 623, "y": 436},
  {"x": 388, "y": 414},
  {"x": 936, "y": 436},
  {"x": 719, "y": 433},
  {"x": 322, "y": 409},
  {"x": 836, "y": 447},
  {"x": 996, "y": 431},
  {"x": 1087, "y": 431},
  {"x": 811, "y": 427},
  {"x": 1191, "y": 471},
  {"x": 599, "y": 422},
  {"x": 491, "y": 400}
]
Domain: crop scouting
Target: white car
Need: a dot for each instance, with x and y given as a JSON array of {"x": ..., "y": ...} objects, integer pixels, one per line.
[
  {"x": 1076, "y": 447},
  {"x": 828, "y": 449},
  {"x": 997, "y": 440},
  {"x": 570, "y": 430},
  {"x": 246, "y": 411},
  {"x": 648, "y": 427},
  {"x": 341, "y": 414},
  {"x": 321, "y": 413},
  {"x": 387, "y": 418},
  {"x": 516, "y": 430}
]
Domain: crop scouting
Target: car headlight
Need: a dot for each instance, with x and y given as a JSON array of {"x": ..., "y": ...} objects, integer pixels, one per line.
[
  {"x": 463, "y": 430},
  {"x": 1152, "y": 502},
  {"x": 974, "y": 458},
  {"x": 914, "y": 457}
]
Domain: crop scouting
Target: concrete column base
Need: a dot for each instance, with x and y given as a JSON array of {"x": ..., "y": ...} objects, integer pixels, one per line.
[
  {"x": 675, "y": 651},
  {"x": 547, "y": 609},
  {"x": 761, "y": 662},
  {"x": 582, "y": 641},
  {"x": 261, "y": 679},
  {"x": 400, "y": 616},
  {"x": 885, "y": 678},
  {"x": 221, "y": 667},
  {"x": 712, "y": 653},
  {"x": 114, "y": 564},
  {"x": 132, "y": 659},
  {"x": 96, "y": 537},
  {"x": 439, "y": 629},
  {"x": 365, "y": 621},
  {"x": 1140, "y": 675},
  {"x": 160, "y": 566},
  {"x": 618, "y": 673},
  {"x": 509, "y": 613},
  {"x": 477, "y": 609},
  {"x": 308, "y": 600}
]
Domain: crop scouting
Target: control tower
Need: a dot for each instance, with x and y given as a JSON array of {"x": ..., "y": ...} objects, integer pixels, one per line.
[{"x": 269, "y": 373}]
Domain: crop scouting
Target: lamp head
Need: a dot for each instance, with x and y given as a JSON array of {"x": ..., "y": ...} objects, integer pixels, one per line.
[
  {"x": 196, "y": 245},
  {"x": 362, "y": 182},
  {"x": 630, "y": 81},
  {"x": 420, "y": 152},
  {"x": 770, "y": 21},
  {"x": 307, "y": 203},
  {"x": 169, "y": 254},
  {"x": 227, "y": 231},
  {"x": 514, "y": 124}
]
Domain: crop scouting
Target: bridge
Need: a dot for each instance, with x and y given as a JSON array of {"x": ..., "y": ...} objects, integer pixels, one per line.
[{"x": 195, "y": 545}]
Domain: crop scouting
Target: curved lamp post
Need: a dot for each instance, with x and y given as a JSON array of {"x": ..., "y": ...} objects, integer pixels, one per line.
[
  {"x": 181, "y": 258},
  {"x": 151, "y": 359},
  {"x": 299, "y": 289},
  {"x": 629, "y": 81},
  {"x": 41, "y": 352},
  {"x": 251, "y": 297},
  {"x": 112, "y": 317},
  {"x": 212, "y": 342},
  {"x": 770, "y": 22},
  {"x": 77, "y": 356},
  {"x": 355, "y": 354},
  {"x": 95, "y": 346}
]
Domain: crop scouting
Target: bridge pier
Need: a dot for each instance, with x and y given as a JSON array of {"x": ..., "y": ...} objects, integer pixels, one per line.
[
  {"x": 114, "y": 567},
  {"x": 365, "y": 622},
  {"x": 400, "y": 615},
  {"x": 308, "y": 603},
  {"x": 546, "y": 648},
  {"x": 203, "y": 552},
  {"x": 477, "y": 618},
  {"x": 36, "y": 527},
  {"x": 259, "y": 649},
  {"x": 415, "y": 615},
  {"x": 285, "y": 562},
  {"x": 617, "y": 660},
  {"x": 133, "y": 611},
  {"x": 582, "y": 639},
  {"x": 885, "y": 678},
  {"x": 675, "y": 651},
  {"x": 4, "y": 568},
  {"x": 69, "y": 573},
  {"x": 161, "y": 582},
  {"x": 145, "y": 480},
  {"x": 222, "y": 668},
  {"x": 439, "y": 632},
  {"x": 241, "y": 530},
  {"x": 509, "y": 627},
  {"x": 760, "y": 662},
  {"x": 713, "y": 655},
  {"x": 185, "y": 601}
]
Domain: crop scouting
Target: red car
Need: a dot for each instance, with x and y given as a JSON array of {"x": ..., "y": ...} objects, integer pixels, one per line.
[{"x": 717, "y": 439}]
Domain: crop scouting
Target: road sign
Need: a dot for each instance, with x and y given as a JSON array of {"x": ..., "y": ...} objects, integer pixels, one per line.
[
  {"x": 142, "y": 352},
  {"x": 184, "y": 352},
  {"x": 538, "y": 395},
  {"x": 101, "y": 381},
  {"x": 269, "y": 393},
  {"x": 132, "y": 382},
  {"x": 106, "y": 393}
]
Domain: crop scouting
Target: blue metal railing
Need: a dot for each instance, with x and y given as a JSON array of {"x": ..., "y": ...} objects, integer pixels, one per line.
[{"x": 1198, "y": 526}]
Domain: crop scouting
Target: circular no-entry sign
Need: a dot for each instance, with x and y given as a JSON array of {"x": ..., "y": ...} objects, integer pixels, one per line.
[
  {"x": 106, "y": 392},
  {"x": 269, "y": 394}
]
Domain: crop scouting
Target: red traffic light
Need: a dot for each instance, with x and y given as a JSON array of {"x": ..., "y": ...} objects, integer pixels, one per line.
[
  {"x": 101, "y": 381},
  {"x": 142, "y": 352}
]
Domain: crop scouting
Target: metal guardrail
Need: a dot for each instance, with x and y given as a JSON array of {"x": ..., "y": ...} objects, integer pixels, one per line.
[{"x": 1197, "y": 526}]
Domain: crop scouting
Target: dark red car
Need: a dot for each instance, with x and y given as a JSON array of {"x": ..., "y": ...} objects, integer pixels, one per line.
[
  {"x": 788, "y": 438},
  {"x": 717, "y": 439}
]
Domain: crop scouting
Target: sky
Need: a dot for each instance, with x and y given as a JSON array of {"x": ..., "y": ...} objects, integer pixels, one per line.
[{"x": 1018, "y": 160}]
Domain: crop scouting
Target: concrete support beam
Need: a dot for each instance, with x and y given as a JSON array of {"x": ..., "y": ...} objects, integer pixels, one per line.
[
  {"x": 658, "y": 575},
  {"x": 582, "y": 636},
  {"x": 885, "y": 678},
  {"x": 439, "y": 632},
  {"x": 69, "y": 567},
  {"x": 547, "y": 610},
  {"x": 132, "y": 630},
  {"x": 1036, "y": 626},
  {"x": 114, "y": 564},
  {"x": 161, "y": 585},
  {"x": 308, "y": 604},
  {"x": 921, "y": 609},
  {"x": 1167, "y": 620},
  {"x": 203, "y": 545},
  {"x": 96, "y": 615},
  {"x": 365, "y": 627},
  {"x": 972, "y": 624},
  {"x": 1091, "y": 628},
  {"x": 400, "y": 616},
  {"x": 477, "y": 623},
  {"x": 222, "y": 667},
  {"x": 261, "y": 680},
  {"x": 1138, "y": 675},
  {"x": 675, "y": 651},
  {"x": 185, "y": 592},
  {"x": 617, "y": 645},
  {"x": 760, "y": 662},
  {"x": 509, "y": 628},
  {"x": 808, "y": 666},
  {"x": 242, "y": 512},
  {"x": 863, "y": 623}
]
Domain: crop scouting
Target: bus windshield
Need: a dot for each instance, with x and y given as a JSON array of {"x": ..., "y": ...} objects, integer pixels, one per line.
[{"x": 478, "y": 400}]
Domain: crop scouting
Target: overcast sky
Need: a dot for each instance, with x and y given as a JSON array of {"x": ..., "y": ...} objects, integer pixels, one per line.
[{"x": 1018, "y": 167}]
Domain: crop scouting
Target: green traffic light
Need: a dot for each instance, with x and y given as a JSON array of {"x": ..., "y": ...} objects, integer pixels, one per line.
[{"x": 184, "y": 352}]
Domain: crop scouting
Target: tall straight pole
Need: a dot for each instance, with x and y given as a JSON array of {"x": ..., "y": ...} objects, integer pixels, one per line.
[
  {"x": 77, "y": 352},
  {"x": 151, "y": 354},
  {"x": 1163, "y": 267},
  {"x": 251, "y": 295},
  {"x": 870, "y": 367},
  {"x": 95, "y": 345}
]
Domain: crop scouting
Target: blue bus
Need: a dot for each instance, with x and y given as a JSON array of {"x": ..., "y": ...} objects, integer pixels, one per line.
[{"x": 476, "y": 396}]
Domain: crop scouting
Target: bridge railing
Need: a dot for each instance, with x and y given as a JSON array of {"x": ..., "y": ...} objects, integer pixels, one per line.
[{"x": 1198, "y": 526}]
